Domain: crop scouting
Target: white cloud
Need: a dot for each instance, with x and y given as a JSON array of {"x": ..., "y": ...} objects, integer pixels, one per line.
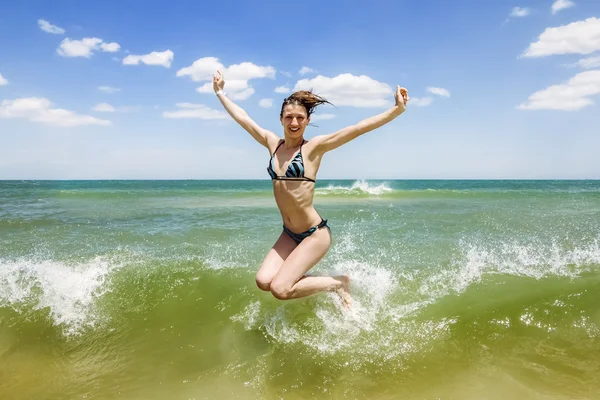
[
  {"x": 581, "y": 37},
  {"x": 248, "y": 70},
  {"x": 321, "y": 117},
  {"x": 439, "y": 91},
  {"x": 305, "y": 70},
  {"x": 206, "y": 88},
  {"x": 561, "y": 5},
  {"x": 286, "y": 73},
  {"x": 266, "y": 103},
  {"x": 204, "y": 68},
  {"x": 110, "y": 47},
  {"x": 199, "y": 111},
  {"x": 163, "y": 58},
  {"x": 420, "y": 101},
  {"x": 78, "y": 48},
  {"x": 570, "y": 96},
  {"x": 85, "y": 47},
  {"x": 235, "y": 85},
  {"x": 243, "y": 95},
  {"x": 104, "y": 107},
  {"x": 48, "y": 27},
  {"x": 282, "y": 89},
  {"x": 349, "y": 90},
  {"x": 3, "y": 81},
  {"x": 39, "y": 109},
  {"x": 236, "y": 76},
  {"x": 108, "y": 89},
  {"x": 589, "y": 62},
  {"x": 236, "y": 89},
  {"x": 519, "y": 12}
]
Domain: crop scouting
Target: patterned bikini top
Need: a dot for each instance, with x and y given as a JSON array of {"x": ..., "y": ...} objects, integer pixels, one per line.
[{"x": 295, "y": 170}]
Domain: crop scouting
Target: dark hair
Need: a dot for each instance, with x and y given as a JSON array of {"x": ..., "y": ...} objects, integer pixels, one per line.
[{"x": 305, "y": 98}]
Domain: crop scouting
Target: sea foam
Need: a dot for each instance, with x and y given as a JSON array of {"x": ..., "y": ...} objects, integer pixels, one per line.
[
  {"x": 358, "y": 187},
  {"x": 67, "y": 291}
]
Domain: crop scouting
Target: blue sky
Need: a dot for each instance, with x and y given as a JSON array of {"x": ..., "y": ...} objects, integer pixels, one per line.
[{"x": 115, "y": 90}]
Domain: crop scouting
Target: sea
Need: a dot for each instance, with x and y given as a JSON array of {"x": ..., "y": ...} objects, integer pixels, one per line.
[{"x": 145, "y": 290}]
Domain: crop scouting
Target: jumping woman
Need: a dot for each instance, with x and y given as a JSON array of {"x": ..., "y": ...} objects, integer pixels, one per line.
[{"x": 293, "y": 167}]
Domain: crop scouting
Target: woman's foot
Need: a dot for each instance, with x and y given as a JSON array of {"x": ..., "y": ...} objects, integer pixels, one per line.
[{"x": 344, "y": 290}]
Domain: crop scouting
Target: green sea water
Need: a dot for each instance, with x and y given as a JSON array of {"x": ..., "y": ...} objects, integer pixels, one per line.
[{"x": 145, "y": 290}]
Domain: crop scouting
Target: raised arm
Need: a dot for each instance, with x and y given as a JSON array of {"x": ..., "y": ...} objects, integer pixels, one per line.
[
  {"x": 262, "y": 136},
  {"x": 325, "y": 143}
]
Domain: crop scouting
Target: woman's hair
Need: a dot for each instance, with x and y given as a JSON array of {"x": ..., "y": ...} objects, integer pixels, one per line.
[{"x": 305, "y": 98}]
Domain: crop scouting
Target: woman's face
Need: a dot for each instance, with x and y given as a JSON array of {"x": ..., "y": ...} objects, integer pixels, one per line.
[{"x": 294, "y": 120}]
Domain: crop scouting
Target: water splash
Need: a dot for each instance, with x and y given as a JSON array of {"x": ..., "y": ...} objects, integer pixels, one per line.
[
  {"x": 389, "y": 319},
  {"x": 532, "y": 260},
  {"x": 68, "y": 291}
]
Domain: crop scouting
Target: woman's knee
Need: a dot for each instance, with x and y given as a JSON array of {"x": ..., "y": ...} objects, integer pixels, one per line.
[
  {"x": 263, "y": 282},
  {"x": 281, "y": 290}
]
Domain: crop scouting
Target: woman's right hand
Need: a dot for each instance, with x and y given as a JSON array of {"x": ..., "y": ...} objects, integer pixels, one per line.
[{"x": 218, "y": 81}]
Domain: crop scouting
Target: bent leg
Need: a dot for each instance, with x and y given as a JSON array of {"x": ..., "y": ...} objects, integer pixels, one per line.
[
  {"x": 291, "y": 281},
  {"x": 274, "y": 260}
]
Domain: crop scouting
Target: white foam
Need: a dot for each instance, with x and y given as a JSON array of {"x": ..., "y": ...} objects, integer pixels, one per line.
[
  {"x": 358, "y": 187},
  {"x": 67, "y": 291},
  {"x": 385, "y": 321},
  {"x": 376, "y": 328},
  {"x": 533, "y": 260}
]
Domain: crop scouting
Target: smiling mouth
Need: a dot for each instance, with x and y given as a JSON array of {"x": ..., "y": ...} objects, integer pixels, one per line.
[{"x": 294, "y": 129}]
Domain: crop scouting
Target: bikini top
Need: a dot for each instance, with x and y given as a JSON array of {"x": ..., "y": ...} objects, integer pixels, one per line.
[{"x": 295, "y": 170}]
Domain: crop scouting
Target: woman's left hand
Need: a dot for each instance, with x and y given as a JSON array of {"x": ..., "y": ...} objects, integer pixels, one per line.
[{"x": 401, "y": 97}]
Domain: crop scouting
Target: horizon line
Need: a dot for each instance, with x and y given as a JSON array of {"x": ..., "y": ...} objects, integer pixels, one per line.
[{"x": 322, "y": 179}]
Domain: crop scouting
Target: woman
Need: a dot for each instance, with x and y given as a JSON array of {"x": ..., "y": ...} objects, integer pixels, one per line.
[{"x": 293, "y": 168}]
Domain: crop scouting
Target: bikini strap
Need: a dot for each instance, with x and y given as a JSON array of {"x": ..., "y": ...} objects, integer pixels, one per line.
[
  {"x": 300, "y": 151},
  {"x": 277, "y": 148},
  {"x": 283, "y": 141}
]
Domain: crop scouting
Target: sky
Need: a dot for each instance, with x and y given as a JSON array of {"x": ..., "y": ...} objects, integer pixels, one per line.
[{"x": 122, "y": 90}]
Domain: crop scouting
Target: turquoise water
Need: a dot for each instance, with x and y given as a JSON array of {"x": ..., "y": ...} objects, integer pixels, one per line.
[{"x": 145, "y": 290}]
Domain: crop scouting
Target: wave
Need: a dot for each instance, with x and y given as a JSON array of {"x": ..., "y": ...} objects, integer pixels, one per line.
[
  {"x": 398, "y": 313},
  {"x": 361, "y": 187},
  {"x": 409, "y": 308},
  {"x": 440, "y": 190}
]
